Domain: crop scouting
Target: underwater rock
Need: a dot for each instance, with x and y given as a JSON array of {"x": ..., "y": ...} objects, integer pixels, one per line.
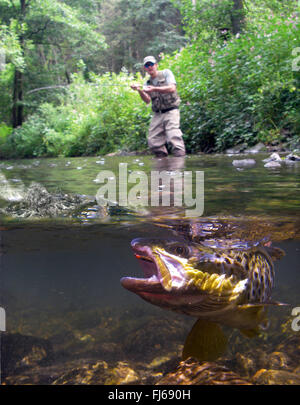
[
  {"x": 110, "y": 351},
  {"x": 99, "y": 373},
  {"x": 153, "y": 338},
  {"x": 161, "y": 361},
  {"x": 251, "y": 362},
  {"x": 297, "y": 370},
  {"x": 245, "y": 364},
  {"x": 84, "y": 374},
  {"x": 38, "y": 202},
  {"x": 122, "y": 374},
  {"x": 19, "y": 352},
  {"x": 244, "y": 163},
  {"x": 292, "y": 158},
  {"x": 92, "y": 212},
  {"x": 276, "y": 377},
  {"x": 278, "y": 360},
  {"x": 273, "y": 158},
  {"x": 290, "y": 347},
  {"x": 191, "y": 372},
  {"x": 272, "y": 164},
  {"x": 79, "y": 372}
]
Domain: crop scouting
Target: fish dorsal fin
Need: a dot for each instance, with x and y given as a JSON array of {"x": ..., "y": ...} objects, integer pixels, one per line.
[
  {"x": 205, "y": 342},
  {"x": 274, "y": 252}
]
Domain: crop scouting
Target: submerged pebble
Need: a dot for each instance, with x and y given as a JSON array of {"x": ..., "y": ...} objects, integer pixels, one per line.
[
  {"x": 292, "y": 158},
  {"x": 276, "y": 377},
  {"x": 244, "y": 163},
  {"x": 190, "y": 372},
  {"x": 272, "y": 164}
]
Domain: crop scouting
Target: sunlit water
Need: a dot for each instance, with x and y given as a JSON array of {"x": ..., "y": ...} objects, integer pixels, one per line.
[{"x": 60, "y": 278}]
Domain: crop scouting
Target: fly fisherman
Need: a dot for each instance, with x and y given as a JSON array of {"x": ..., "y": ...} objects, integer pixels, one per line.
[{"x": 165, "y": 124}]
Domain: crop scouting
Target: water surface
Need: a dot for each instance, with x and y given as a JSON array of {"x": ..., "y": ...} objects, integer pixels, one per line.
[{"x": 60, "y": 277}]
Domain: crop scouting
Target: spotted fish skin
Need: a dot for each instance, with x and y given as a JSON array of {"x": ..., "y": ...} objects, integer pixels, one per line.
[
  {"x": 247, "y": 263},
  {"x": 229, "y": 283},
  {"x": 253, "y": 265}
]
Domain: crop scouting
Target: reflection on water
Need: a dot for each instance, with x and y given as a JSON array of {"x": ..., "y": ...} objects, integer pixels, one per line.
[
  {"x": 70, "y": 321},
  {"x": 228, "y": 190}
]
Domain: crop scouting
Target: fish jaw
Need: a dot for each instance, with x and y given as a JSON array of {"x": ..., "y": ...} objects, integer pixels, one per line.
[
  {"x": 227, "y": 288},
  {"x": 162, "y": 271},
  {"x": 167, "y": 282}
]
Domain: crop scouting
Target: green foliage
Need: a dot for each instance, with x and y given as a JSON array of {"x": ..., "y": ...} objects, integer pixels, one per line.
[
  {"x": 136, "y": 28},
  {"x": 241, "y": 91},
  {"x": 43, "y": 41},
  {"x": 5, "y": 131},
  {"x": 93, "y": 118},
  {"x": 205, "y": 18}
]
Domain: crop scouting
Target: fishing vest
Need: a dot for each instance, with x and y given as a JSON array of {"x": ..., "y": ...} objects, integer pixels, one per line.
[{"x": 160, "y": 101}]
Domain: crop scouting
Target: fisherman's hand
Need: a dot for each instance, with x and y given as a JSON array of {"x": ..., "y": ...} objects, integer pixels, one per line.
[
  {"x": 149, "y": 89},
  {"x": 136, "y": 87}
]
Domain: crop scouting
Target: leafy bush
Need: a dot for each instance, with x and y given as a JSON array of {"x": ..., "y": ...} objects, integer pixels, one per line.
[
  {"x": 5, "y": 131},
  {"x": 244, "y": 90},
  {"x": 94, "y": 118}
]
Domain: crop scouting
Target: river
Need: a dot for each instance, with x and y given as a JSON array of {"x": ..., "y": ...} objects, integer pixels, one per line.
[{"x": 68, "y": 318}]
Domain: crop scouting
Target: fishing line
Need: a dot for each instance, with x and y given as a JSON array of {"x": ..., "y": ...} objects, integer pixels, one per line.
[{"x": 67, "y": 85}]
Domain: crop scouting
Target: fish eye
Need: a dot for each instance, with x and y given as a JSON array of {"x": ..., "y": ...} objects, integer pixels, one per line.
[{"x": 180, "y": 250}]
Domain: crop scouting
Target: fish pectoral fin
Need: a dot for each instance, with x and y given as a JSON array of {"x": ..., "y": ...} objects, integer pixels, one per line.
[
  {"x": 256, "y": 313},
  {"x": 278, "y": 303},
  {"x": 262, "y": 304},
  {"x": 205, "y": 342}
]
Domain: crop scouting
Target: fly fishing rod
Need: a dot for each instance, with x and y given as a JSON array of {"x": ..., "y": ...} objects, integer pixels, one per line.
[{"x": 67, "y": 85}]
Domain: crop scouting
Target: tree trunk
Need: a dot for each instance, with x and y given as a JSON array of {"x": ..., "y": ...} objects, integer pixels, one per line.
[
  {"x": 18, "y": 107},
  {"x": 68, "y": 77},
  {"x": 237, "y": 16}
]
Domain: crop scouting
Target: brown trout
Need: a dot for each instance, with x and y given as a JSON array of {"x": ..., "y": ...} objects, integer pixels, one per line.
[{"x": 224, "y": 283}]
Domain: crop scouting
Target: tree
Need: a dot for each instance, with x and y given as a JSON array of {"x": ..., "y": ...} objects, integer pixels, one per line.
[
  {"x": 205, "y": 18},
  {"x": 237, "y": 16},
  {"x": 49, "y": 33},
  {"x": 135, "y": 28}
]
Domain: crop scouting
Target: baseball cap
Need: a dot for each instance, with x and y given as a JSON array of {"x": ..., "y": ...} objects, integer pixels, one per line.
[{"x": 149, "y": 59}]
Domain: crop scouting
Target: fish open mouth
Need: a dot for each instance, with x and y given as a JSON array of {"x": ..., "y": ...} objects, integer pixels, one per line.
[
  {"x": 152, "y": 280},
  {"x": 163, "y": 271}
]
